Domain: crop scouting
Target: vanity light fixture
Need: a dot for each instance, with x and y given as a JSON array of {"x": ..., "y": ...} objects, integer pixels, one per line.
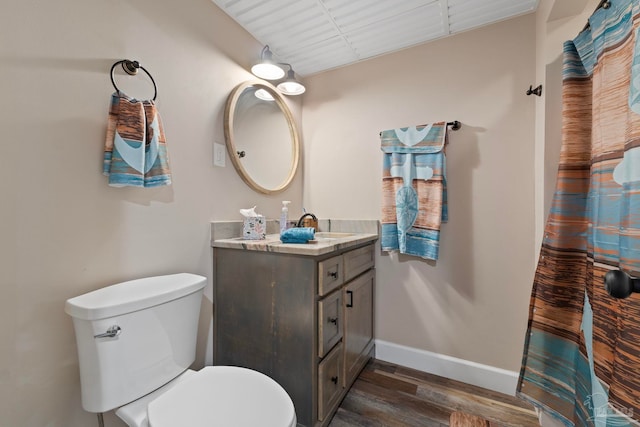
[
  {"x": 290, "y": 86},
  {"x": 264, "y": 95},
  {"x": 269, "y": 70}
]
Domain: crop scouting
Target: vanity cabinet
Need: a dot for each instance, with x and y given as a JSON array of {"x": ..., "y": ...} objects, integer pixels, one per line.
[{"x": 304, "y": 320}]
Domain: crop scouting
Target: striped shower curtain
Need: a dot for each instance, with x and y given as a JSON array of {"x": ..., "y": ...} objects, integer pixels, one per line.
[{"x": 581, "y": 361}]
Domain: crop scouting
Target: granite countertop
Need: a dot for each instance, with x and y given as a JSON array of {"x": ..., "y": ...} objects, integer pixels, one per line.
[{"x": 324, "y": 242}]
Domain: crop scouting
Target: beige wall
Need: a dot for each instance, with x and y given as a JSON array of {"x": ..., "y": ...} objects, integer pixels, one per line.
[
  {"x": 472, "y": 303},
  {"x": 63, "y": 230}
]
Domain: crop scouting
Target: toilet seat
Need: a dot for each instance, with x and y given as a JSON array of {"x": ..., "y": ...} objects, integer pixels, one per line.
[{"x": 223, "y": 396}]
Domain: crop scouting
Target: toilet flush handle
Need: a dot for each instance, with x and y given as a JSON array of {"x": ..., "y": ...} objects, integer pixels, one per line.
[{"x": 113, "y": 331}]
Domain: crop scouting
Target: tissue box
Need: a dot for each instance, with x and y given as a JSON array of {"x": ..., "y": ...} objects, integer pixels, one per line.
[{"x": 254, "y": 228}]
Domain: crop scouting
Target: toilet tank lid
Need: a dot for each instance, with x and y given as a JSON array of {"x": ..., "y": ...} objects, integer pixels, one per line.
[{"x": 133, "y": 295}]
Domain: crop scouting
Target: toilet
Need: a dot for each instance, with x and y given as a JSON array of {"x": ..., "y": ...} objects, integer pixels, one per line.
[{"x": 136, "y": 341}]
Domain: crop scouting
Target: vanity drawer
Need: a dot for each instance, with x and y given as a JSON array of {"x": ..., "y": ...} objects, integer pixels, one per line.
[
  {"x": 358, "y": 261},
  {"x": 329, "y": 322},
  {"x": 330, "y": 275},
  {"x": 329, "y": 382}
]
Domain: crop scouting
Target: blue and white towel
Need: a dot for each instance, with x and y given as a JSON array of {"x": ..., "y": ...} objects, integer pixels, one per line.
[
  {"x": 135, "y": 151},
  {"x": 414, "y": 192}
]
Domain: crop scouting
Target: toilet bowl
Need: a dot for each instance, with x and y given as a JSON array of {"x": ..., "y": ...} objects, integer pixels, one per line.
[
  {"x": 136, "y": 341},
  {"x": 214, "y": 396}
]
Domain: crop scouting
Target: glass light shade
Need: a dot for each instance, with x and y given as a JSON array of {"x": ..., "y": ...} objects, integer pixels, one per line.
[
  {"x": 264, "y": 95},
  {"x": 291, "y": 87},
  {"x": 267, "y": 70}
]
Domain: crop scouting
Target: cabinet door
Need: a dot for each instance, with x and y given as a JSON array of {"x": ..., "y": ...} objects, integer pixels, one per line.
[{"x": 358, "y": 318}]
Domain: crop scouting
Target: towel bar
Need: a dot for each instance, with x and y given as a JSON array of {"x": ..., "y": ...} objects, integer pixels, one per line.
[{"x": 455, "y": 125}]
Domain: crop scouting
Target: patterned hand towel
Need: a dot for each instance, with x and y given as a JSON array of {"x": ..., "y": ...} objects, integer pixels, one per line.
[
  {"x": 135, "y": 151},
  {"x": 298, "y": 235},
  {"x": 414, "y": 193}
]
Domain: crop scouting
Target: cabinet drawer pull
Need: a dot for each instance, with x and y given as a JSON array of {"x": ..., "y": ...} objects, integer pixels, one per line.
[
  {"x": 333, "y": 320},
  {"x": 350, "y": 303},
  {"x": 333, "y": 274},
  {"x": 334, "y": 380}
]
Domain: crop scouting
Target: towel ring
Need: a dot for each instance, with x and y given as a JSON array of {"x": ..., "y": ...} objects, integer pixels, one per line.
[{"x": 131, "y": 68}]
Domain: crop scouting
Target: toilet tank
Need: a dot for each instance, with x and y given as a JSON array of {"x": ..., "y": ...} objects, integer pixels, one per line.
[{"x": 157, "y": 318}]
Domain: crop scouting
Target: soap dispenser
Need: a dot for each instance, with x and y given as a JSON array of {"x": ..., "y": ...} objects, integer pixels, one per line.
[{"x": 284, "y": 215}]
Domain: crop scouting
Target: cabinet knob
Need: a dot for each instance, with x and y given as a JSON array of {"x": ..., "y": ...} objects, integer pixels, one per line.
[
  {"x": 334, "y": 379},
  {"x": 350, "y": 303},
  {"x": 333, "y": 320},
  {"x": 333, "y": 274}
]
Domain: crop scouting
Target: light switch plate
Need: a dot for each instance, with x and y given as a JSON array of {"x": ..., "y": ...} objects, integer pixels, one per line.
[{"x": 218, "y": 155}]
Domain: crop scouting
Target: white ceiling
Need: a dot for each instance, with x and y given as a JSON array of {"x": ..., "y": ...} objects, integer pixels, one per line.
[{"x": 317, "y": 35}]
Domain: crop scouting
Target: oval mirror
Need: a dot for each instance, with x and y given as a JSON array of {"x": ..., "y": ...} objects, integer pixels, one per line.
[{"x": 261, "y": 136}]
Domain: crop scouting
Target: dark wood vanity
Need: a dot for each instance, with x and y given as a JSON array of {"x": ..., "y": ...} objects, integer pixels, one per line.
[{"x": 301, "y": 314}]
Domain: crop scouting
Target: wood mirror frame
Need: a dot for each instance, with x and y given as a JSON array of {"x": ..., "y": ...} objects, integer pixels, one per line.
[{"x": 230, "y": 139}]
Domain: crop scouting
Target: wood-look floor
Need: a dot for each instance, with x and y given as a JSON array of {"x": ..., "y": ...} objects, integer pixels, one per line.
[{"x": 394, "y": 396}]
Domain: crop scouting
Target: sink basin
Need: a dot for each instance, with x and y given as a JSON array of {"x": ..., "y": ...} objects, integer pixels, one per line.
[{"x": 332, "y": 235}]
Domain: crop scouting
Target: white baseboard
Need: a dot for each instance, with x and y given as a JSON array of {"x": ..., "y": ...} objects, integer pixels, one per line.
[{"x": 485, "y": 376}]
